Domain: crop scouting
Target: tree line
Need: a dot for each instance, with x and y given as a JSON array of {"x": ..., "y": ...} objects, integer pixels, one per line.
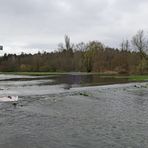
[{"x": 130, "y": 58}]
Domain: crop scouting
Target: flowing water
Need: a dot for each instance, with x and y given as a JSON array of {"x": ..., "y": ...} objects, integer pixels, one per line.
[{"x": 56, "y": 112}]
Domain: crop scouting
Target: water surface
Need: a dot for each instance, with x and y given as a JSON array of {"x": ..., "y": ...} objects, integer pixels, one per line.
[{"x": 51, "y": 115}]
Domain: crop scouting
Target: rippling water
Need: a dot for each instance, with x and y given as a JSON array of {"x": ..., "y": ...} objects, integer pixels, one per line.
[{"x": 50, "y": 116}]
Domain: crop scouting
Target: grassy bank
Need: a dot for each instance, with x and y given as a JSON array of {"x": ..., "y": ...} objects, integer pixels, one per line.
[
  {"x": 132, "y": 78},
  {"x": 33, "y": 73},
  {"x": 138, "y": 78},
  {"x": 57, "y": 73}
]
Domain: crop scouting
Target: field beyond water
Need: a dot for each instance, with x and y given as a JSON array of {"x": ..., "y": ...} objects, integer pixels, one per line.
[{"x": 55, "y": 111}]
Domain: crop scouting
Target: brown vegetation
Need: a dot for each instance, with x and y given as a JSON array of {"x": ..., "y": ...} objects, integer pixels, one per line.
[{"x": 88, "y": 57}]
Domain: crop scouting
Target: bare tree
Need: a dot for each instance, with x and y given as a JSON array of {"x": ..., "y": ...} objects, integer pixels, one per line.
[
  {"x": 140, "y": 43},
  {"x": 125, "y": 45},
  {"x": 81, "y": 46},
  {"x": 67, "y": 45},
  {"x": 1, "y": 47},
  {"x": 67, "y": 42}
]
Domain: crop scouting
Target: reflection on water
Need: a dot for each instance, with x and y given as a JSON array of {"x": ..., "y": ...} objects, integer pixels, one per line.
[
  {"x": 71, "y": 80},
  {"x": 86, "y": 80}
]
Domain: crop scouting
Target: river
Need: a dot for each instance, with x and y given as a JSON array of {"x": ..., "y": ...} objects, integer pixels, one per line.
[{"x": 73, "y": 111}]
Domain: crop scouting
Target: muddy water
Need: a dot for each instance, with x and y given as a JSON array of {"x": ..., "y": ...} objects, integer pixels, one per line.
[{"x": 50, "y": 116}]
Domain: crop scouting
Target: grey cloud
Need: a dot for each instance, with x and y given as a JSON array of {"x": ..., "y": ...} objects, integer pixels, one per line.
[{"x": 41, "y": 24}]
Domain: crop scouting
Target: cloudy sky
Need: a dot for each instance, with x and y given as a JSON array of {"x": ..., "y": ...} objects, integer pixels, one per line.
[{"x": 33, "y": 25}]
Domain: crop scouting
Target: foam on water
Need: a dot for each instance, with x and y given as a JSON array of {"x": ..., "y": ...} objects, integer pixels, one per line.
[{"x": 8, "y": 98}]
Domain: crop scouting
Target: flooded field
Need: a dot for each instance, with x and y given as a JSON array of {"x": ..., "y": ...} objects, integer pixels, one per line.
[{"x": 56, "y": 112}]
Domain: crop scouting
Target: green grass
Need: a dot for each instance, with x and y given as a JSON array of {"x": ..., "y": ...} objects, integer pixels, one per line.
[
  {"x": 135, "y": 78},
  {"x": 138, "y": 77}
]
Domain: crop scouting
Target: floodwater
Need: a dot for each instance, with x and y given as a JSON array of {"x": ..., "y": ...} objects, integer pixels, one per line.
[{"x": 55, "y": 112}]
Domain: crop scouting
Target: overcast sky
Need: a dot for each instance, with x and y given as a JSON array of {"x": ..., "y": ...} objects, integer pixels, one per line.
[{"x": 30, "y": 25}]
